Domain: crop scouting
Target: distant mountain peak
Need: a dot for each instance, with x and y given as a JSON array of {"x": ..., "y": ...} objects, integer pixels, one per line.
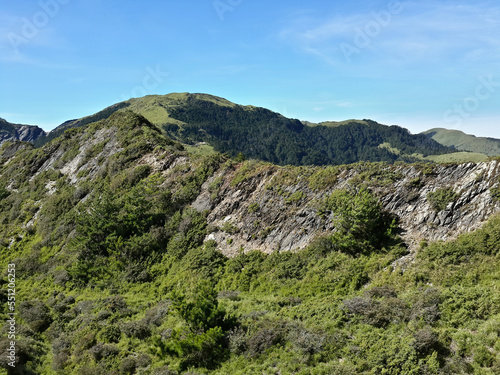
[
  {"x": 464, "y": 142},
  {"x": 19, "y": 132}
]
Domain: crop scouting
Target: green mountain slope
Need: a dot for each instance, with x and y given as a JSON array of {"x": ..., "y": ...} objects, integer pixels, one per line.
[
  {"x": 112, "y": 250},
  {"x": 262, "y": 134},
  {"x": 465, "y": 142}
]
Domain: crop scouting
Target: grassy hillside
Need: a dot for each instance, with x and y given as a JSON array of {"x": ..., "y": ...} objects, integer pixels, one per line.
[
  {"x": 113, "y": 276},
  {"x": 465, "y": 142},
  {"x": 262, "y": 134}
]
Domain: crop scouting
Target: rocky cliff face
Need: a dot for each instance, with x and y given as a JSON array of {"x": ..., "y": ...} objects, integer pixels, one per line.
[
  {"x": 256, "y": 214},
  {"x": 260, "y": 206},
  {"x": 14, "y": 132}
]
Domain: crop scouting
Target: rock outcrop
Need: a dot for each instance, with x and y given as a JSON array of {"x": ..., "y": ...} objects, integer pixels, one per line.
[
  {"x": 14, "y": 132},
  {"x": 257, "y": 215}
]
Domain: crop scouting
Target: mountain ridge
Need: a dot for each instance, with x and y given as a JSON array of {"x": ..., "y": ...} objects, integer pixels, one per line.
[
  {"x": 259, "y": 133},
  {"x": 465, "y": 142},
  {"x": 262, "y": 134}
]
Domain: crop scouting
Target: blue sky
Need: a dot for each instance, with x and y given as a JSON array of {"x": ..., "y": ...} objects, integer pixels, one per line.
[{"x": 418, "y": 64}]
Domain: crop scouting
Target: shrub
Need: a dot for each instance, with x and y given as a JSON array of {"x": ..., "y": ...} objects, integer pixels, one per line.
[
  {"x": 137, "y": 174},
  {"x": 61, "y": 360},
  {"x": 381, "y": 292},
  {"x": 229, "y": 228},
  {"x": 64, "y": 305},
  {"x": 202, "y": 312},
  {"x": 205, "y": 350},
  {"x": 116, "y": 304},
  {"x": 495, "y": 193},
  {"x": 84, "y": 342},
  {"x": 425, "y": 341},
  {"x": 90, "y": 370},
  {"x": 4, "y": 193},
  {"x": 426, "y": 306},
  {"x": 156, "y": 315},
  {"x": 110, "y": 334},
  {"x": 103, "y": 315},
  {"x": 378, "y": 313},
  {"x": 128, "y": 366},
  {"x": 61, "y": 277},
  {"x": 165, "y": 370},
  {"x": 238, "y": 340},
  {"x": 359, "y": 219},
  {"x": 295, "y": 197},
  {"x": 143, "y": 360},
  {"x": 253, "y": 207},
  {"x": 138, "y": 329},
  {"x": 23, "y": 353},
  {"x": 440, "y": 198},
  {"x": 205, "y": 261},
  {"x": 483, "y": 357},
  {"x": 323, "y": 178},
  {"x": 415, "y": 183},
  {"x": 36, "y": 315},
  {"x": 287, "y": 265},
  {"x": 191, "y": 228},
  {"x": 306, "y": 341},
  {"x": 101, "y": 351},
  {"x": 263, "y": 339},
  {"x": 61, "y": 344},
  {"x": 231, "y": 295}
]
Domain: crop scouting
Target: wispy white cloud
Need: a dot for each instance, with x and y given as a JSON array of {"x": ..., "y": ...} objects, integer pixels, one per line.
[
  {"x": 16, "y": 41},
  {"x": 422, "y": 32}
]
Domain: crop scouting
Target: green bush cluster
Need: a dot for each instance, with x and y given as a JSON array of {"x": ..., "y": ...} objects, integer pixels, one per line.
[
  {"x": 360, "y": 222},
  {"x": 440, "y": 198}
]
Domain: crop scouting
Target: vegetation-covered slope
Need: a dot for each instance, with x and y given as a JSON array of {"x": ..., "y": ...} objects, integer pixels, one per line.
[
  {"x": 262, "y": 134},
  {"x": 465, "y": 142},
  {"x": 265, "y": 135},
  {"x": 115, "y": 271}
]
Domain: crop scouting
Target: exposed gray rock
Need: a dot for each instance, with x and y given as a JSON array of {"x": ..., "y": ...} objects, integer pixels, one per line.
[
  {"x": 15, "y": 132},
  {"x": 263, "y": 220}
]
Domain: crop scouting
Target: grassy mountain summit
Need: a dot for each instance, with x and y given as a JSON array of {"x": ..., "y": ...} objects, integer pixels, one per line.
[
  {"x": 265, "y": 135},
  {"x": 465, "y": 142},
  {"x": 262, "y": 134}
]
